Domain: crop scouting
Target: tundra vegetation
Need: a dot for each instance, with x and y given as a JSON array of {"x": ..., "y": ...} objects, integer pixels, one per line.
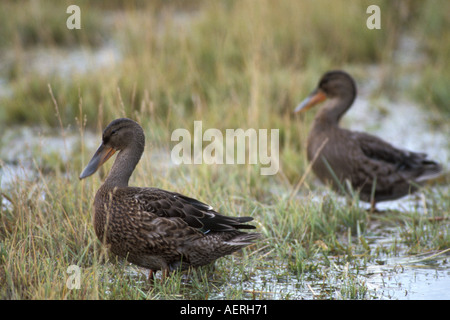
[{"x": 230, "y": 64}]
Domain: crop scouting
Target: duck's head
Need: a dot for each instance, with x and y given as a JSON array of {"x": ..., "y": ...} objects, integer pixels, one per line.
[
  {"x": 117, "y": 136},
  {"x": 333, "y": 84}
]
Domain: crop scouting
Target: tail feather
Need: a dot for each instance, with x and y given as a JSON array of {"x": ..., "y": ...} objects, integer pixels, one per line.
[
  {"x": 243, "y": 239},
  {"x": 431, "y": 170}
]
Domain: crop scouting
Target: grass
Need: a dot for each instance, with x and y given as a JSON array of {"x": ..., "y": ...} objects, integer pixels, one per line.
[
  {"x": 230, "y": 64},
  {"x": 431, "y": 89},
  {"x": 46, "y": 227},
  {"x": 213, "y": 65}
]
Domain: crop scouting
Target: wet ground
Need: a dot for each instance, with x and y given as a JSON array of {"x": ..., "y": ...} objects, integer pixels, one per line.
[
  {"x": 425, "y": 276},
  {"x": 421, "y": 277}
]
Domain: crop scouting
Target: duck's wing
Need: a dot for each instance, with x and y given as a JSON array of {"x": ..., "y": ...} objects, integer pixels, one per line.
[
  {"x": 383, "y": 160},
  {"x": 195, "y": 214}
]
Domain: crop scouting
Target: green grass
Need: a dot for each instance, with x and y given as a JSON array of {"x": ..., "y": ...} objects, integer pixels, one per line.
[
  {"x": 432, "y": 90},
  {"x": 232, "y": 54},
  {"x": 46, "y": 226},
  {"x": 230, "y": 64}
]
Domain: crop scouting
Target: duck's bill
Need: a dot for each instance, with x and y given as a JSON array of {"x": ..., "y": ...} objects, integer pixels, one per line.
[
  {"x": 314, "y": 98},
  {"x": 100, "y": 157}
]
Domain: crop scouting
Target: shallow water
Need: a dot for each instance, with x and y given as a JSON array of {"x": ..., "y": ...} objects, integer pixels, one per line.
[
  {"x": 411, "y": 278},
  {"x": 23, "y": 148},
  {"x": 403, "y": 124}
]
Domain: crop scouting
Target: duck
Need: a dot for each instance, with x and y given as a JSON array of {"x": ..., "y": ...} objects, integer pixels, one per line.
[
  {"x": 341, "y": 158},
  {"x": 154, "y": 228}
]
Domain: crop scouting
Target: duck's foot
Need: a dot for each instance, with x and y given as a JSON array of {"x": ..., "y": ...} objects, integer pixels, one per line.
[
  {"x": 376, "y": 211},
  {"x": 437, "y": 219}
]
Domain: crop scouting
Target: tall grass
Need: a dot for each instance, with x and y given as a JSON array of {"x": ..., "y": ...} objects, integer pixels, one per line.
[
  {"x": 223, "y": 56},
  {"x": 434, "y": 21}
]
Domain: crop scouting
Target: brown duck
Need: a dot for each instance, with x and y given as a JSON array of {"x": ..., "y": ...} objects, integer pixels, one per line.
[
  {"x": 374, "y": 168},
  {"x": 154, "y": 228}
]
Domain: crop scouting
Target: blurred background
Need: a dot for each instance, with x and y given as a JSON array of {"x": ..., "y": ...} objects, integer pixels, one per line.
[
  {"x": 232, "y": 64},
  {"x": 182, "y": 57}
]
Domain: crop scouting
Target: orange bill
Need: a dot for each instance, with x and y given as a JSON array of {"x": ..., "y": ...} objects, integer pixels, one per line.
[
  {"x": 314, "y": 98},
  {"x": 100, "y": 157}
]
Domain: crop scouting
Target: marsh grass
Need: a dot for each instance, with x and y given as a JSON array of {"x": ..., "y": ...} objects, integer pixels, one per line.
[
  {"x": 434, "y": 25},
  {"x": 324, "y": 243},
  {"x": 230, "y": 54},
  {"x": 230, "y": 64}
]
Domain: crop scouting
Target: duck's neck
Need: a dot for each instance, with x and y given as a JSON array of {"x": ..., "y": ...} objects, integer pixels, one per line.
[
  {"x": 333, "y": 109},
  {"x": 124, "y": 165}
]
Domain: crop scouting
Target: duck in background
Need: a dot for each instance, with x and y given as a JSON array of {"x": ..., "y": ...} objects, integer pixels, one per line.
[{"x": 373, "y": 167}]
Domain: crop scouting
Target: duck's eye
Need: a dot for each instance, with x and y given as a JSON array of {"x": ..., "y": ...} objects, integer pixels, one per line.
[{"x": 114, "y": 132}]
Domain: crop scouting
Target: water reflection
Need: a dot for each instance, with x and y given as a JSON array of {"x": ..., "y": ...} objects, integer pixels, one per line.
[{"x": 402, "y": 280}]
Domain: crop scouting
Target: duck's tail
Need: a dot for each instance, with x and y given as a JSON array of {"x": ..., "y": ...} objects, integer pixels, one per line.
[
  {"x": 430, "y": 170},
  {"x": 243, "y": 239}
]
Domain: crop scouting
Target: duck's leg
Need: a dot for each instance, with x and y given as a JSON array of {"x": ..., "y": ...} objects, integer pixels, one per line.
[
  {"x": 373, "y": 205},
  {"x": 151, "y": 275},
  {"x": 165, "y": 274},
  {"x": 373, "y": 208}
]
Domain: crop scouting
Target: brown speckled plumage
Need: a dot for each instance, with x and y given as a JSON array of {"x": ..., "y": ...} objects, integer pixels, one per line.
[
  {"x": 364, "y": 160},
  {"x": 154, "y": 228}
]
